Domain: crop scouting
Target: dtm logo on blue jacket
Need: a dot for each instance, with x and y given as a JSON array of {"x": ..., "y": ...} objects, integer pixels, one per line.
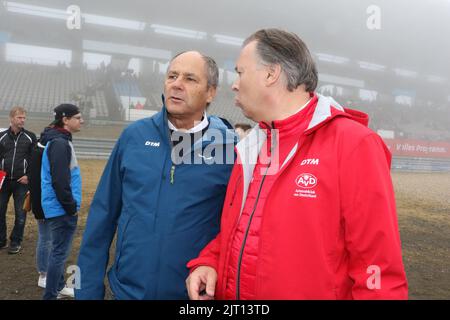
[{"x": 152, "y": 143}]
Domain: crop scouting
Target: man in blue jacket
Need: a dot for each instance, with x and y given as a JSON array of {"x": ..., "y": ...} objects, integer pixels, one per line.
[{"x": 161, "y": 192}]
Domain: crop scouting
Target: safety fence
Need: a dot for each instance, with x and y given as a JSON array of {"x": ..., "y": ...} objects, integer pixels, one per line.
[{"x": 88, "y": 148}]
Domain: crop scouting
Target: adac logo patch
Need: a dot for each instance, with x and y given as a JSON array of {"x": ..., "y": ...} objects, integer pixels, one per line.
[{"x": 306, "y": 181}]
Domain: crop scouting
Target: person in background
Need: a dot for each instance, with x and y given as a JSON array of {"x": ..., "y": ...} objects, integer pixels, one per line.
[
  {"x": 16, "y": 144},
  {"x": 61, "y": 193},
  {"x": 242, "y": 129}
]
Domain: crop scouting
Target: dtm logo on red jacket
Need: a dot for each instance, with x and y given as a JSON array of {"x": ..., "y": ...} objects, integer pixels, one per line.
[
  {"x": 306, "y": 182},
  {"x": 313, "y": 162}
]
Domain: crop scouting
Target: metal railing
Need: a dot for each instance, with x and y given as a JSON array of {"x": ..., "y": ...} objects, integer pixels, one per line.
[
  {"x": 420, "y": 164},
  {"x": 89, "y": 148}
]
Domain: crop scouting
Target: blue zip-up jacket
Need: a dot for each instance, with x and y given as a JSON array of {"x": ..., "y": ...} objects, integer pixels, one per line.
[
  {"x": 164, "y": 214},
  {"x": 60, "y": 174}
]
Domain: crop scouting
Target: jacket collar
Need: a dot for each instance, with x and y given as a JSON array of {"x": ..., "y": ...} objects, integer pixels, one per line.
[
  {"x": 328, "y": 109},
  {"x": 11, "y": 132},
  {"x": 293, "y": 124},
  {"x": 325, "y": 111}
]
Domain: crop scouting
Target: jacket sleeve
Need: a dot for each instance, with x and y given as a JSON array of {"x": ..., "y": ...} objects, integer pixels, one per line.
[
  {"x": 59, "y": 156},
  {"x": 30, "y": 150},
  {"x": 100, "y": 229},
  {"x": 2, "y": 149},
  {"x": 209, "y": 256},
  {"x": 369, "y": 215}
]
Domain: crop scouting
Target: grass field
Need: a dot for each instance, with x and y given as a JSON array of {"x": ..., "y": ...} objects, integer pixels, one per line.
[{"x": 423, "y": 205}]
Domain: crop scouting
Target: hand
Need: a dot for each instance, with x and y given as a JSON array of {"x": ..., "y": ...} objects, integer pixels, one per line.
[
  {"x": 23, "y": 180},
  {"x": 203, "y": 278}
]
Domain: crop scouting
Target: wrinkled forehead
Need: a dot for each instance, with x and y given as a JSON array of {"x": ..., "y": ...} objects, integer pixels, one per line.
[{"x": 188, "y": 63}]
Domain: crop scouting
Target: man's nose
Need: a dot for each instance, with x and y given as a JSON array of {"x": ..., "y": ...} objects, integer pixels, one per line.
[
  {"x": 235, "y": 86},
  {"x": 178, "y": 83}
]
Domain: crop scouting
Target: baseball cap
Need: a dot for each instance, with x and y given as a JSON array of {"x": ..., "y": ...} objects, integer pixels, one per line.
[{"x": 65, "y": 110}]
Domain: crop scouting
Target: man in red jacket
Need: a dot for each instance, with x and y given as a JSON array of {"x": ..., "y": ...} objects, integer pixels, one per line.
[{"x": 309, "y": 211}]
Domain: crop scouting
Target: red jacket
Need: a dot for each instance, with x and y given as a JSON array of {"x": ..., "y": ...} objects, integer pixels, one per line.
[{"x": 321, "y": 224}]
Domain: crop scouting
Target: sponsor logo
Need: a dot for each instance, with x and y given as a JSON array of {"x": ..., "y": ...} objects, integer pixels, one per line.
[
  {"x": 152, "y": 143},
  {"x": 310, "y": 161},
  {"x": 306, "y": 181}
]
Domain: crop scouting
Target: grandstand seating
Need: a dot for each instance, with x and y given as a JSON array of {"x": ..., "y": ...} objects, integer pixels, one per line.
[
  {"x": 39, "y": 88},
  {"x": 127, "y": 87},
  {"x": 223, "y": 106}
]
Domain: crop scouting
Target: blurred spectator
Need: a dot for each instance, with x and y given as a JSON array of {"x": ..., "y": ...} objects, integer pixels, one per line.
[
  {"x": 242, "y": 129},
  {"x": 16, "y": 144}
]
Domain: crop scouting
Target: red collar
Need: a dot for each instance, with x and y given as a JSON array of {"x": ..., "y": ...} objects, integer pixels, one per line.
[
  {"x": 294, "y": 124},
  {"x": 62, "y": 130}
]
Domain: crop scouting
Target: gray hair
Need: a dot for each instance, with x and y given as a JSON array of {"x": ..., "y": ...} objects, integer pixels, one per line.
[
  {"x": 212, "y": 71},
  {"x": 275, "y": 46}
]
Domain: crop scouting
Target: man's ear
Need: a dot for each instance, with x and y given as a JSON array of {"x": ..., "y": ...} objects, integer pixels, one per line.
[
  {"x": 273, "y": 74},
  {"x": 211, "y": 94}
]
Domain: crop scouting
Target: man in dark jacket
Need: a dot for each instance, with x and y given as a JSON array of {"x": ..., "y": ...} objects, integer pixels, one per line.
[{"x": 16, "y": 144}]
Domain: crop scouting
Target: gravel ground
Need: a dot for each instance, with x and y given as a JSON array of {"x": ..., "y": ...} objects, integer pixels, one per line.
[{"x": 423, "y": 205}]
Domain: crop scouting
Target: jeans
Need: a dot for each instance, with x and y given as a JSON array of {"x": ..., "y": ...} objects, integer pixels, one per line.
[
  {"x": 62, "y": 230},
  {"x": 18, "y": 191},
  {"x": 44, "y": 245}
]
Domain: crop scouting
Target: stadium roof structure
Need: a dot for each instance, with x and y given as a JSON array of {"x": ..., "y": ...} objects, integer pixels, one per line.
[{"x": 406, "y": 51}]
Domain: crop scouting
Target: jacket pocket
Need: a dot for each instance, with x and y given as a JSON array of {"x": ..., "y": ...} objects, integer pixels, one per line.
[
  {"x": 138, "y": 251},
  {"x": 121, "y": 230}
]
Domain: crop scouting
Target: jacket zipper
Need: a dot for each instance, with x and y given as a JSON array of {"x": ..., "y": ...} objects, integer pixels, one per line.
[
  {"x": 241, "y": 253},
  {"x": 14, "y": 155},
  {"x": 173, "y": 166},
  {"x": 235, "y": 190},
  {"x": 172, "y": 173}
]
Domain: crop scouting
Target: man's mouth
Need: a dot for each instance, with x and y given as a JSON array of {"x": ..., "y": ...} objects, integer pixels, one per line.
[{"x": 175, "y": 99}]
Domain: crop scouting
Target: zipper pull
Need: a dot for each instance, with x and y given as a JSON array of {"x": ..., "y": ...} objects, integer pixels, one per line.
[{"x": 172, "y": 174}]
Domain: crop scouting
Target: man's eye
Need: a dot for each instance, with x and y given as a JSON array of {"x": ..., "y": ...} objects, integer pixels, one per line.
[{"x": 172, "y": 77}]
